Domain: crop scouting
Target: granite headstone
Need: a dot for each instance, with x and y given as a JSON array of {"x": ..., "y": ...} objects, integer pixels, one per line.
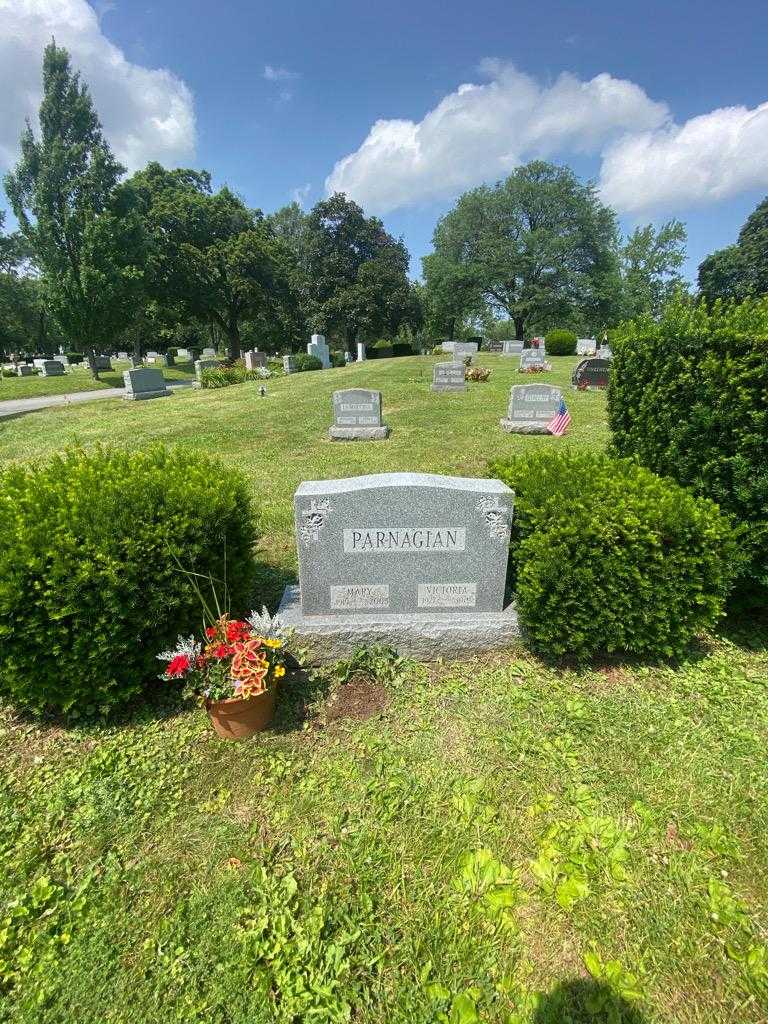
[
  {"x": 52, "y": 368},
  {"x": 414, "y": 560},
  {"x": 592, "y": 374},
  {"x": 531, "y": 408},
  {"x": 357, "y": 416},
  {"x": 145, "y": 382},
  {"x": 448, "y": 377}
]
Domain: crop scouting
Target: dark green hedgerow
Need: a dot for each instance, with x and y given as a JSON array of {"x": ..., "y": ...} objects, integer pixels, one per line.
[
  {"x": 609, "y": 557},
  {"x": 91, "y": 568},
  {"x": 689, "y": 399}
]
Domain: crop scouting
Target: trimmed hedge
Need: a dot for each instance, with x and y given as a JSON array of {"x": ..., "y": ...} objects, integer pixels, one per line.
[
  {"x": 75, "y": 357},
  {"x": 337, "y": 359},
  {"x": 560, "y": 343},
  {"x": 609, "y": 557},
  {"x": 91, "y": 580},
  {"x": 379, "y": 350},
  {"x": 688, "y": 399},
  {"x": 402, "y": 348}
]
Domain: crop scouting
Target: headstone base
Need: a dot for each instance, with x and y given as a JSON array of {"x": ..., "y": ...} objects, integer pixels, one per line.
[
  {"x": 358, "y": 433},
  {"x": 448, "y": 387},
  {"x": 138, "y": 395},
  {"x": 425, "y": 636},
  {"x": 523, "y": 426}
]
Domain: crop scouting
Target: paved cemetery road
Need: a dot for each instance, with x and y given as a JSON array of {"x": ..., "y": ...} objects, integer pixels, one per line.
[{"x": 20, "y": 406}]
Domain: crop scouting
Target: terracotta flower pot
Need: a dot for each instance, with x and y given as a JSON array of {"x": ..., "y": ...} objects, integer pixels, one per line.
[{"x": 236, "y": 719}]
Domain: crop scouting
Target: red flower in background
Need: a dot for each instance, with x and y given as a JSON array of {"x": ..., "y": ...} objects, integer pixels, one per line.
[
  {"x": 237, "y": 631},
  {"x": 220, "y": 651},
  {"x": 177, "y": 666},
  {"x": 210, "y": 632}
]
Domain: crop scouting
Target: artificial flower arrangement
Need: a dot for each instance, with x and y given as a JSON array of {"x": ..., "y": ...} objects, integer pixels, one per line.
[
  {"x": 232, "y": 671},
  {"x": 535, "y": 368},
  {"x": 478, "y": 374}
]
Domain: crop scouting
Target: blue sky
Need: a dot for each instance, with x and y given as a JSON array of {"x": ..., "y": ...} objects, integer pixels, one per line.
[{"x": 270, "y": 97}]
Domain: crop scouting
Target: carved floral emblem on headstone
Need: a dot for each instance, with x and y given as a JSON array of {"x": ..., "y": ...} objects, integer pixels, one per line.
[
  {"x": 314, "y": 518},
  {"x": 496, "y": 516}
]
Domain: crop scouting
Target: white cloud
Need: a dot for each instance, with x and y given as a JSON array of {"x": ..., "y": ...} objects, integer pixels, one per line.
[
  {"x": 148, "y": 114},
  {"x": 273, "y": 74},
  {"x": 711, "y": 157},
  {"x": 481, "y": 132},
  {"x": 299, "y": 194}
]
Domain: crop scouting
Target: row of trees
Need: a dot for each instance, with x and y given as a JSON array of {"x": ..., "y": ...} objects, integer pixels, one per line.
[
  {"x": 102, "y": 260},
  {"x": 161, "y": 253}
]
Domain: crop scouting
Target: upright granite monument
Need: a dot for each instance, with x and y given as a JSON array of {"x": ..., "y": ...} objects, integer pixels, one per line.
[
  {"x": 361, "y": 357},
  {"x": 512, "y": 348},
  {"x": 413, "y": 560},
  {"x": 532, "y": 359},
  {"x": 586, "y": 346},
  {"x": 357, "y": 416},
  {"x": 448, "y": 377},
  {"x": 144, "y": 383},
  {"x": 318, "y": 348},
  {"x": 52, "y": 368},
  {"x": 254, "y": 359},
  {"x": 531, "y": 408},
  {"x": 289, "y": 363},
  {"x": 464, "y": 348},
  {"x": 592, "y": 375}
]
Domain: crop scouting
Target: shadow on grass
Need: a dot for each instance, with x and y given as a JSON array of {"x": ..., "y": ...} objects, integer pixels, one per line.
[
  {"x": 298, "y": 699},
  {"x": 746, "y": 627},
  {"x": 584, "y": 1001}
]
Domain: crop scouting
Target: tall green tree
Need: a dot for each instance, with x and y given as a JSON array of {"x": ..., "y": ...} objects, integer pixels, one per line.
[
  {"x": 452, "y": 293},
  {"x": 739, "y": 270},
  {"x": 356, "y": 273},
  {"x": 210, "y": 257},
  {"x": 81, "y": 224},
  {"x": 539, "y": 246},
  {"x": 650, "y": 261}
]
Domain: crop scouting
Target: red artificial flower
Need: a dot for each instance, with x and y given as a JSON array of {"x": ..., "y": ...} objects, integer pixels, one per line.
[
  {"x": 201, "y": 661},
  {"x": 177, "y": 666},
  {"x": 210, "y": 632},
  {"x": 221, "y": 651}
]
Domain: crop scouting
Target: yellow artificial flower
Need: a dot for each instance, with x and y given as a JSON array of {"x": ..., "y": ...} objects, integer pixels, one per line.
[
  {"x": 274, "y": 643},
  {"x": 279, "y": 671}
]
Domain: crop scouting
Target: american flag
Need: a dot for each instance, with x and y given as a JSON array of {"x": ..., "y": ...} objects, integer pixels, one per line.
[{"x": 560, "y": 422}]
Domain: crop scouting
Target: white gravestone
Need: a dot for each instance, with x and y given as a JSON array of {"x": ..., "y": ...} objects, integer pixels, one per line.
[
  {"x": 204, "y": 364},
  {"x": 413, "y": 560},
  {"x": 531, "y": 408},
  {"x": 586, "y": 347},
  {"x": 533, "y": 359},
  {"x": 318, "y": 348},
  {"x": 360, "y": 352},
  {"x": 512, "y": 348},
  {"x": 464, "y": 348},
  {"x": 254, "y": 359},
  {"x": 357, "y": 416},
  {"x": 289, "y": 364}
]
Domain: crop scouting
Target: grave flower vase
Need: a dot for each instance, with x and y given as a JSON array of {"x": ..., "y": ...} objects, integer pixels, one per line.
[{"x": 236, "y": 719}]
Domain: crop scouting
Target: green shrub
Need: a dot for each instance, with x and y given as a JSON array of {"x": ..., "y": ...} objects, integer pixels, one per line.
[
  {"x": 91, "y": 580},
  {"x": 560, "y": 343},
  {"x": 402, "y": 348},
  {"x": 609, "y": 557},
  {"x": 437, "y": 350},
  {"x": 75, "y": 357},
  {"x": 172, "y": 352},
  {"x": 337, "y": 359},
  {"x": 224, "y": 376},
  {"x": 688, "y": 399},
  {"x": 305, "y": 362}
]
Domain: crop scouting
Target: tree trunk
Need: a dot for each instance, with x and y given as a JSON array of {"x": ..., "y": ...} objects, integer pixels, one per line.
[
  {"x": 352, "y": 341},
  {"x": 233, "y": 340},
  {"x": 519, "y": 328},
  {"x": 452, "y": 328}
]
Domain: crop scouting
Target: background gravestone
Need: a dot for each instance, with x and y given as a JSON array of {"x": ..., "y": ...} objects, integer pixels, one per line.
[
  {"x": 289, "y": 364},
  {"x": 52, "y": 368},
  {"x": 357, "y": 416},
  {"x": 448, "y": 377},
  {"x": 531, "y": 357},
  {"x": 592, "y": 374},
  {"x": 531, "y": 408},
  {"x": 489, "y": 345},
  {"x": 586, "y": 347},
  {"x": 512, "y": 348},
  {"x": 203, "y": 364},
  {"x": 255, "y": 359},
  {"x": 464, "y": 348},
  {"x": 24, "y": 370},
  {"x": 360, "y": 352},
  {"x": 414, "y": 560},
  {"x": 448, "y": 346},
  {"x": 318, "y": 348},
  {"x": 145, "y": 382},
  {"x": 604, "y": 352},
  {"x": 208, "y": 353}
]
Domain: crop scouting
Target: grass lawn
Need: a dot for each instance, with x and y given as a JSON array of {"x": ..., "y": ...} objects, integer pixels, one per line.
[
  {"x": 495, "y": 840},
  {"x": 80, "y": 379}
]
